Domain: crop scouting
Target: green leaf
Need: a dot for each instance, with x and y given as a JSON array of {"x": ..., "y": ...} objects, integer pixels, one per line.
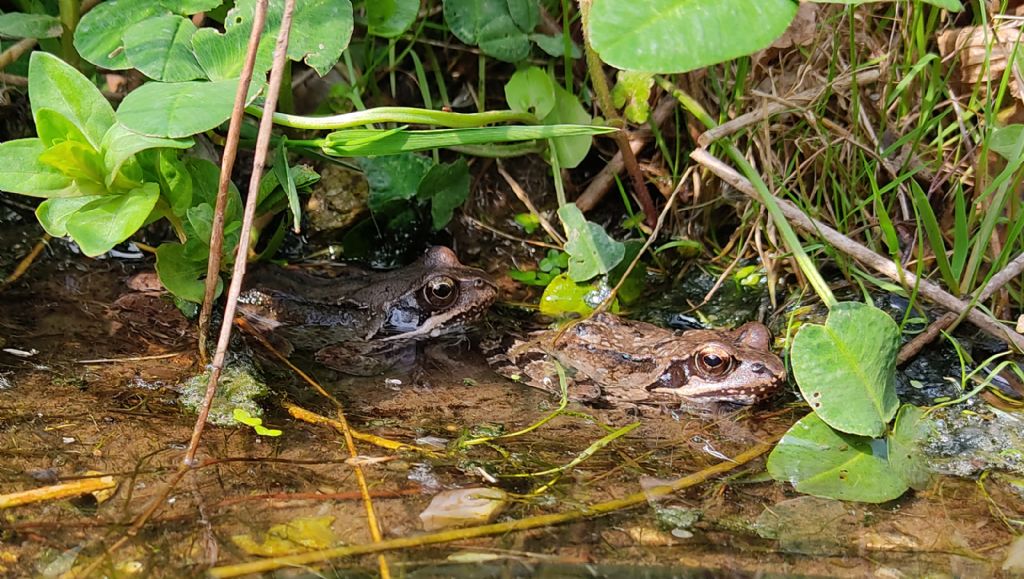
[
  {"x": 177, "y": 109},
  {"x": 846, "y": 369},
  {"x": 528, "y": 221},
  {"x": 564, "y": 296},
  {"x": 182, "y": 276},
  {"x": 905, "y": 455},
  {"x": 284, "y": 179},
  {"x": 243, "y": 416},
  {"x": 161, "y": 48},
  {"x": 56, "y": 85},
  {"x": 53, "y": 214},
  {"x": 393, "y": 178},
  {"x": 102, "y": 224},
  {"x": 951, "y": 5},
  {"x": 22, "y": 173},
  {"x": 447, "y": 187},
  {"x": 120, "y": 144},
  {"x": 822, "y": 462},
  {"x": 525, "y": 13},
  {"x": 175, "y": 181},
  {"x": 1007, "y": 141},
  {"x": 489, "y": 25},
  {"x": 591, "y": 251},
  {"x": 98, "y": 35},
  {"x": 190, "y": 6},
  {"x": 633, "y": 89},
  {"x": 21, "y": 25},
  {"x": 391, "y": 18},
  {"x": 571, "y": 150},
  {"x": 356, "y": 142},
  {"x": 78, "y": 161},
  {"x": 670, "y": 36},
  {"x": 530, "y": 90},
  {"x": 53, "y": 127},
  {"x": 555, "y": 45},
  {"x": 221, "y": 55}
]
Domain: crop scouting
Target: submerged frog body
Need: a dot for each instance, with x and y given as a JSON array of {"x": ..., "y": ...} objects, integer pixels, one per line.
[
  {"x": 356, "y": 321},
  {"x": 614, "y": 361}
]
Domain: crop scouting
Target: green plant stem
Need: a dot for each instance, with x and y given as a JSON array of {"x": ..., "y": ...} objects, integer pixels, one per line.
[
  {"x": 404, "y": 115},
  {"x": 540, "y": 521},
  {"x": 767, "y": 199},
  {"x": 70, "y": 14},
  {"x": 604, "y": 101}
]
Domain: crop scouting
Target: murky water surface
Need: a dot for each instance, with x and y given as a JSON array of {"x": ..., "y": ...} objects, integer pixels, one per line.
[{"x": 62, "y": 417}]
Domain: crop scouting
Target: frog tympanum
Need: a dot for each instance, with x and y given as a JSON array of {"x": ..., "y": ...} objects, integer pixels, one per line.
[
  {"x": 355, "y": 322},
  {"x": 614, "y": 361}
]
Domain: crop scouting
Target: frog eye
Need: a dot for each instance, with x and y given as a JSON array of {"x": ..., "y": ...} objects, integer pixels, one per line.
[
  {"x": 714, "y": 362},
  {"x": 441, "y": 292}
]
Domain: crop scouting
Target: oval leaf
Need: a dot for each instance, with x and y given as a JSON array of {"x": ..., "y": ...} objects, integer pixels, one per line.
[
  {"x": 53, "y": 84},
  {"x": 22, "y": 173},
  {"x": 98, "y": 35},
  {"x": 101, "y": 225},
  {"x": 591, "y": 251},
  {"x": 161, "y": 48},
  {"x": 682, "y": 35},
  {"x": 177, "y": 109},
  {"x": 822, "y": 462},
  {"x": 846, "y": 369}
]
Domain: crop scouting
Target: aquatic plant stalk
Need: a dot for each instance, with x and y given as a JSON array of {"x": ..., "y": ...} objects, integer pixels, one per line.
[{"x": 595, "y": 510}]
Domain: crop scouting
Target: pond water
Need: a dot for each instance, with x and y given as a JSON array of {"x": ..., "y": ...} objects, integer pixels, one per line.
[{"x": 62, "y": 417}]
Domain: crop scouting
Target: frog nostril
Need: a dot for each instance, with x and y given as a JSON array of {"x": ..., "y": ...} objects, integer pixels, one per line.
[{"x": 758, "y": 368}]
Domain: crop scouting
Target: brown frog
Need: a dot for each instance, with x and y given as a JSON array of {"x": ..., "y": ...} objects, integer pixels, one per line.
[
  {"x": 614, "y": 361},
  {"x": 358, "y": 321}
]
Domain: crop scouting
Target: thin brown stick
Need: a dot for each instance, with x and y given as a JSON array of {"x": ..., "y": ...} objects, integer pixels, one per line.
[
  {"x": 599, "y": 82},
  {"x": 603, "y": 181},
  {"x": 16, "y": 50},
  {"x": 596, "y": 510},
  {"x": 227, "y": 163},
  {"x": 864, "y": 255},
  {"x": 26, "y": 262},
  {"x": 944, "y": 322},
  {"x": 242, "y": 252},
  {"x": 56, "y": 492},
  {"x": 525, "y": 199}
]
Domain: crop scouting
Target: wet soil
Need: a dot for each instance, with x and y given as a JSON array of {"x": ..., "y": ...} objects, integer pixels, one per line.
[{"x": 62, "y": 417}]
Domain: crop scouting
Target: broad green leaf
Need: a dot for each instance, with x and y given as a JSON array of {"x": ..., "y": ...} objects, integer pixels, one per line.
[
  {"x": 190, "y": 6},
  {"x": 121, "y": 144},
  {"x": 390, "y": 18},
  {"x": 21, "y": 25},
  {"x": 98, "y": 35},
  {"x": 489, "y": 25},
  {"x": 447, "y": 187},
  {"x": 555, "y": 45},
  {"x": 222, "y": 55},
  {"x": 53, "y": 127},
  {"x": 243, "y": 416},
  {"x": 905, "y": 455},
  {"x": 56, "y": 85},
  {"x": 177, "y": 109},
  {"x": 633, "y": 90},
  {"x": 530, "y": 90},
  {"x": 846, "y": 369},
  {"x": 525, "y": 13},
  {"x": 393, "y": 178},
  {"x": 1007, "y": 141},
  {"x": 104, "y": 223},
  {"x": 571, "y": 150},
  {"x": 78, "y": 161},
  {"x": 205, "y": 180},
  {"x": 670, "y": 36},
  {"x": 321, "y": 29},
  {"x": 564, "y": 296},
  {"x": 356, "y": 142},
  {"x": 22, "y": 173},
  {"x": 181, "y": 276},
  {"x": 591, "y": 251},
  {"x": 53, "y": 214},
  {"x": 161, "y": 48},
  {"x": 819, "y": 461},
  {"x": 175, "y": 181}
]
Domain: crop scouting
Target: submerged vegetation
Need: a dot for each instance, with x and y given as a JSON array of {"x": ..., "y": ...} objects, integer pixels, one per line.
[{"x": 848, "y": 173}]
